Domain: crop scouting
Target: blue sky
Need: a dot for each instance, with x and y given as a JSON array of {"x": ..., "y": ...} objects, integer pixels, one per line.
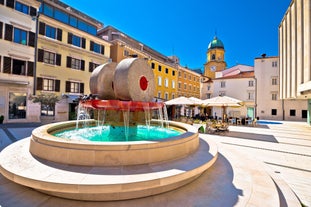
[{"x": 248, "y": 28}]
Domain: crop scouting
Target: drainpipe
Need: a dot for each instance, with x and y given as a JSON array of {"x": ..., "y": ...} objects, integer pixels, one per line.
[{"x": 36, "y": 54}]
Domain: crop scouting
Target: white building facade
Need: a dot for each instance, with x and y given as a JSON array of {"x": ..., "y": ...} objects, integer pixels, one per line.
[
  {"x": 269, "y": 104},
  {"x": 237, "y": 82},
  {"x": 295, "y": 53}
]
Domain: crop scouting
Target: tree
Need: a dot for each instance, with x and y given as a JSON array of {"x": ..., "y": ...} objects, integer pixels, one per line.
[{"x": 47, "y": 100}]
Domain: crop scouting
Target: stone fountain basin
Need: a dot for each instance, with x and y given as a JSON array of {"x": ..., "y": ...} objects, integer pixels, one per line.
[{"x": 86, "y": 153}]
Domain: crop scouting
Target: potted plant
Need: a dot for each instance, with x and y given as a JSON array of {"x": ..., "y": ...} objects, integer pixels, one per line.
[{"x": 1, "y": 119}]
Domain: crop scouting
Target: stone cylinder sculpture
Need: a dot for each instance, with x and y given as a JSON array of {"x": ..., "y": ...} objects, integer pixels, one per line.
[{"x": 134, "y": 80}]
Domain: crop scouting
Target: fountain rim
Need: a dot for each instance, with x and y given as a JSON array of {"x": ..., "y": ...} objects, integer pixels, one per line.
[
  {"x": 48, "y": 129},
  {"x": 121, "y": 105}
]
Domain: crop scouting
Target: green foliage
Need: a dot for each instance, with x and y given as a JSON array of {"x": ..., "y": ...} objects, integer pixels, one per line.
[{"x": 46, "y": 99}]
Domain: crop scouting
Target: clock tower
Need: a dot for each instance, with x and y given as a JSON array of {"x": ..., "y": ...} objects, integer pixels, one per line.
[{"x": 215, "y": 60}]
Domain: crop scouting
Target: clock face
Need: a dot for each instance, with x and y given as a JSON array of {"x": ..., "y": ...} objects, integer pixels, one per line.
[{"x": 213, "y": 68}]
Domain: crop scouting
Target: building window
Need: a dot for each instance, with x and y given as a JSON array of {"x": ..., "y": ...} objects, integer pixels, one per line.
[
  {"x": 250, "y": 83},
  {"x": 166, "y": 96},
  {"x": 273, "y": 112},
  {"x": 189, "y": 77},
  {"x": 126, "y": 53},
  {"x": 166, "y": 70},
  {"x": 173, "y": 72},
  {"x": 20, "y": 36},
  {"x": 75, "y": 63},
  {"x": 74, "y": 87},
  {"x": 274, "y": 81},
  {"x": 76, "y": 40},
  {"x": 213, "y": 56},
  {"x": 304, "y": 114},
  {"x": 159, "y": 81},
  {"x": 189, "y": 87},
  {"x": 292, "y": 112},
  {"x": 50, "y": 32},
  {"x": 173, "y": 96},
  {"x": 185, "y": 86},
  {"x": 250, "y": 95},
  {"x": 92, "y": 66},
  {"x": 49, "y": 57},
  {"x": 97, "y": 48},
  {"x": 208, "y": 95},
  {"x": 274, "y": 96},
  {"x": 173, "y": 84},
  {"x": 274, "y": 64},
  {"x": 21, "y": 7},
  {"x": 179, "y": 74},
  {"x": 17, "y": 105},
  {"x": 185, "y": 76},
  {"x": 159, "y": 68},
  {"x": 48, "y": 84},
  {"x": 222, "y": 84},
  {"x": 166, "y": 82},
  {"x": 179, "y": 85},
  {"x": 208, "y": 87},
  {"x": 67, "y": 19},
  {"x": 159, "y": 94},
  {"x": 152, "y": 65}
]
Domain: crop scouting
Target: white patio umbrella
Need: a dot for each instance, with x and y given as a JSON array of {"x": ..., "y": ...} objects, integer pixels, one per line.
[
  {"x": 180, "y": 101},
  {"x": 196, "y": 101},
  {"x": 222, "y": 101}
]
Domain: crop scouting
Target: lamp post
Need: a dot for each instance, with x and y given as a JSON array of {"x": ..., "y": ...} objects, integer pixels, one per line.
[{"x": 36, "y": 54}]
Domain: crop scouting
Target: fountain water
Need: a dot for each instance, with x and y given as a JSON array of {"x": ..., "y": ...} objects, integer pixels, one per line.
[{"x": 85, "y": 170}]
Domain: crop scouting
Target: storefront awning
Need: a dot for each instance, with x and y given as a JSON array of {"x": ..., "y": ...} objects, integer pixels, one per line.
[{"x": 14, "y": 82}]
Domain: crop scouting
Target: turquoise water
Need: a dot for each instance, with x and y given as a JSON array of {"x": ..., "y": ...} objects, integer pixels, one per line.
[
  {"x": 116, "y": 133},
  {"x": 263, "y": 122}
]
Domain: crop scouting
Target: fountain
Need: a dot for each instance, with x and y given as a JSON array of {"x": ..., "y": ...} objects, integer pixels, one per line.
[{"x": 112, "y": 168}]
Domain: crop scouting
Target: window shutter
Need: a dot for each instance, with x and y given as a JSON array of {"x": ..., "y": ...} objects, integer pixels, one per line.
[
  {"x": 90, "y": 67},
  {"x": 67, "y": 86},
  {"x": 7, "y": 65},
  {"x": 59, "y": 34},
  {"x": 57, "y": 85},
  {"x": 39, "y": 83},
  {"x": 91, "y": 46},
  {"x": 82, "y": 88},
  {"x": 82, "y": 65},
  {"x": 102, "y": 49},
  {"x": 31, "y": 39},
  {"x": 58, "y": 59},
  {"x": 1, "y": 26},
  {"x": 83, "y": 43},
  {"x": 69, "y": 40},
  {"x": 42, "y": 28},
  {"x": 30, "y": 69},
  {"x": 10, "y": 3},
  {"x": 40, "y": 55},
  {"x": 68, "y": 62},
  {"x": 33, "y": 12},
  {"x": 8, "y": 32}
]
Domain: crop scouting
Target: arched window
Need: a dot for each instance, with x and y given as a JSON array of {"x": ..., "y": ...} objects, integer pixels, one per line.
[{"x": 213, "y": 56}]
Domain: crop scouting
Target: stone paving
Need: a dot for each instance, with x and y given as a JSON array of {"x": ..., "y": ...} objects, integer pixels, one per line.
[{"x": 283, "y": 150}]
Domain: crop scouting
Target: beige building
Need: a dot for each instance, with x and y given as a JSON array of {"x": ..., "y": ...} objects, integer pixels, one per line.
[
  {"x": 269, "y": 104},
  {"x": 68, "y": 50},
  {"x": 17, "y": 40},
  {"x": 295, "y": 53}
]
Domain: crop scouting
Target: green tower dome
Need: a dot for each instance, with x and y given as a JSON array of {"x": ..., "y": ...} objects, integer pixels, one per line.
[{"x": 216, "y": 43}]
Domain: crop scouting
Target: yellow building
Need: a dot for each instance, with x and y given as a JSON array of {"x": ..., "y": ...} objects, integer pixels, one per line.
[
  {"x": 188, "y": 82},
  {"x": 17, "y": 49},
  {"x": 164, "y": 68},
  {"x": 68, "y": 50},
  {"x": 215, "y": 60}
]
